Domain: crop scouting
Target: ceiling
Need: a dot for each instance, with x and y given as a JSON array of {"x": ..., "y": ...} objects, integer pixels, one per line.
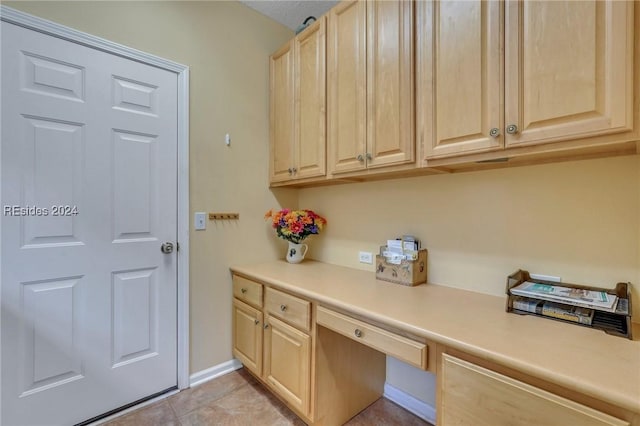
[{"x": 290, "y": 13}]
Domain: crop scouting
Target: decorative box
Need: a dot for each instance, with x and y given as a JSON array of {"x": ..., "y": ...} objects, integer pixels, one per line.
[{"x": 408, "y": 272}]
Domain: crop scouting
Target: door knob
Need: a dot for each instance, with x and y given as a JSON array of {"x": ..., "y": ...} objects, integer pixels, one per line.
[
  {"x": 166, "y": 248},
  {"x": 494, "y": 133}
]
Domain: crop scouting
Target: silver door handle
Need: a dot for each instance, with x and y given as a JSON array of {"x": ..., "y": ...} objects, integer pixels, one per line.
[{"x": 166, "y": 248}]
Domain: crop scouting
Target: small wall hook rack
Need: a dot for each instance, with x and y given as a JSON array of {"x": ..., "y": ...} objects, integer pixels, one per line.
[{"x": 224, "y": 216}]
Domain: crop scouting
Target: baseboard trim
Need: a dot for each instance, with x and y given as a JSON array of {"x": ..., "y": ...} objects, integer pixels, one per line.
[
  {"x": 216, "y": 371},
  {"x": 419, "y": 408}
]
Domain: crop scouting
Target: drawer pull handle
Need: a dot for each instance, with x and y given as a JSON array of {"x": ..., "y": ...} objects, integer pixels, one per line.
[
  {"x": 283, "y": 308},
  {"x": 266, "y": 326},
  {"x": 256, "y": 322},
  {"x": 243, "y": 290},
  {"x": 358, "y": 332}
]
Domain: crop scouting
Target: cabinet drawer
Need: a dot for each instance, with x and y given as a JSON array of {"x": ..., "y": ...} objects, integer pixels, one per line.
[
  {"x": 474, "y": 395},
  {"x": 392, "y": 344},
  {"x": 247, "y": 291},
  {"x": 292, "y": 309}
]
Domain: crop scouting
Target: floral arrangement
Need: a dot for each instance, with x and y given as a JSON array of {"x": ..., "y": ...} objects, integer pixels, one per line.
[{"x": 295, "y": 225}]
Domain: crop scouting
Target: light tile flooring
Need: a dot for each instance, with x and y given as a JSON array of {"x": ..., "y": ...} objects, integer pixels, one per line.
[{"x": 238, "y": 399}]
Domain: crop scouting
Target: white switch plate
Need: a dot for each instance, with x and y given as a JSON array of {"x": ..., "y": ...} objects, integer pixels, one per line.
[
  {"x": 365, "y": 257},
  {"x": 200, "y": 221}
]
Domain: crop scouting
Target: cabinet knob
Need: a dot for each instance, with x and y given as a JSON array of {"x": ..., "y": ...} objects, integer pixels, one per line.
[
  {"x": 358, "y": 332},
  {"x": 494, "y": 133},
  {"x": 512, "y": 129},
  {"x": 283, "y": 308},
  {"x": 369, "y": 157},
  {"x": 256, "y": 322},
  {"x": 290, "y": 170},
  {"x": 265, "y": 326},
  {"x": 243, "y": 290},
  {"x": 295, "y": 170},
  {"x": 360, "y": 158}
]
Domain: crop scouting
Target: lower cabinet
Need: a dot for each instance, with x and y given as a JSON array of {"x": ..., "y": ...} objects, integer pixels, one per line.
[
  {"x": 474, "y": 395},
  {"x": 272, "y": 340},
  {"x": 247, "y": 336},
  {"x": 287, "y": 362},
  {"x": 328, "y": 366}
]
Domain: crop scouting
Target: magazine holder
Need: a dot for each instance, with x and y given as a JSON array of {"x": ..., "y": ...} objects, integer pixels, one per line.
[{"x": 616, "y": 323}]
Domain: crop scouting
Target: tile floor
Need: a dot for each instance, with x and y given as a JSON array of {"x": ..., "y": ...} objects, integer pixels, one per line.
[{"x": 237, "y": 399}]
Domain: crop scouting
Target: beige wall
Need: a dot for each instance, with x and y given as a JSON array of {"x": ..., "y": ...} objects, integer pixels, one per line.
[
  {"x": 226, "y": 45},
  {"x": 577, "y": 220}
]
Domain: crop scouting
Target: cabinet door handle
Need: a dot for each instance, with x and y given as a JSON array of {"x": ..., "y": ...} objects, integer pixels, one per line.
[
  {"x": 283, "y": 308},
  {"x": 358, "y": 332},
  {"x": 494, "y": 133},
  {"x": 369, "y": 157},
  {"x": 360, "y": 158},
  {"x": 512, "y": 129},
  {"x": 295, "y": 170},
  {"x": 256, "y": 322},
  {"x": 266, "y": 326},
  {"x": 243, "y": 290}
]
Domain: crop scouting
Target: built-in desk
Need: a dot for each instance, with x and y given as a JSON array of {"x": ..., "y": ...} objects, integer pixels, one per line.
[{"x": 493, "y": 367}]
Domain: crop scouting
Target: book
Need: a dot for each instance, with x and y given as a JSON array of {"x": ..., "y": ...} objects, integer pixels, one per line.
[
  {"x": 599, "y": 300},
  {"x": 567, "y": 312},
  {"x": 527, "y": 305}
]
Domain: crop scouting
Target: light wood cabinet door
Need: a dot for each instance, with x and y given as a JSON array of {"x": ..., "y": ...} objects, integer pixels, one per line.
[
  {"x": 247, "y": 336},
  {"x": 287, "y": 363},
  {"x": 459, "y": 77},
  {"x": 475, "y": 396},
  {"x": 310, "y": 101},
  {"x": 347, "y": 87},
  {"x": 370, "y": 85},
  {"x": 281, "y": 156},
  {"x": 390, "y": 85},
  {"x": 569, "y": 69}
]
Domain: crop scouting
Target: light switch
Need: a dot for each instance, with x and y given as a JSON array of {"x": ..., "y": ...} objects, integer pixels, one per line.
[{"x": 200, "y": 221}]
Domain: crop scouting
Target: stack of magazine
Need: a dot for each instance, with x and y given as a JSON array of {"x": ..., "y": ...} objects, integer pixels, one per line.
[{"x": 568, "y": 303}]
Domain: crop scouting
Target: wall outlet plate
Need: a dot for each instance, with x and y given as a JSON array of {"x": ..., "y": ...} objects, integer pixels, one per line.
[{"x": 365, "y": 257}]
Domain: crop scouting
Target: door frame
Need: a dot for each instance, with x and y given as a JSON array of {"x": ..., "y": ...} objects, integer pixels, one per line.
[{"x": 44, "y": 26}]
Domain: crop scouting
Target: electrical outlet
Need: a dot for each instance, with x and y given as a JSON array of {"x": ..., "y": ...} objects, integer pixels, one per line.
[{"x": 366, "y": 257}]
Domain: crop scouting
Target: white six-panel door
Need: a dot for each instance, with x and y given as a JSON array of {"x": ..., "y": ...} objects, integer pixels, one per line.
[{"x": 88, "y": 298}]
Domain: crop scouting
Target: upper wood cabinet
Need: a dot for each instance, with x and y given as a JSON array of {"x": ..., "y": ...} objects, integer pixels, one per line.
[
  {"x": 566, "y": 73},
  {"x": 370, "y": 85},
  {"x": 569, "y": 69},
  {"x": 298, "y": 107},
  {"x": 459, "y": 76}
]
